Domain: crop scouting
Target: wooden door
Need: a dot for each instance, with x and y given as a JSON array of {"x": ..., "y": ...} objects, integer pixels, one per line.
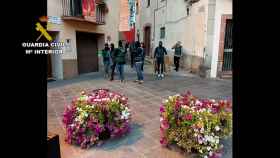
[
  {"x": 147, "y": 40},
  {"x": 87, "y": 52}
]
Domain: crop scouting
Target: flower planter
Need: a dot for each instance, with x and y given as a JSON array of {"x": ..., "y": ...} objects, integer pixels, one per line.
[
  {"x": 96, "y": 116},
  {"x": 195, "y": 125}
]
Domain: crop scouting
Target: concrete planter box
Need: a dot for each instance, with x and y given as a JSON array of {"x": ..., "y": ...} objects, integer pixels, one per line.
[{"x": 204, "y": 71}]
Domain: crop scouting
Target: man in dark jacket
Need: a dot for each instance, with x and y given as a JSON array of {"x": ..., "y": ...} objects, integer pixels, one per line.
[
  {"x": 132, "y": 50},
  {"x": 138, "y": 60},
  {"x": 120, "y": 60},
  {"x": 177, "y": 54},
  {"x": 160, "y": 51},
  {"x": 106, "y": 59},
  {"x": 144, "y": 54},
  {"x": 113, "y": 59}
]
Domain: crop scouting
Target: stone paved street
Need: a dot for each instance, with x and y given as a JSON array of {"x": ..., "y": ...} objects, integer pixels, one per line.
[{"x": 144, "y": 100}]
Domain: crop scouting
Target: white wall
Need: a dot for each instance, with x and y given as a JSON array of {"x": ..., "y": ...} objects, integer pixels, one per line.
[
  {"x": 57, "y": 66},
  {"x": 146, "y": 16},
  {"x": 56, "y": 61},
  {"x": 160, "y": 21},
  {"x": 190, "y": 30},
  {"x": 222, "y": 7}
]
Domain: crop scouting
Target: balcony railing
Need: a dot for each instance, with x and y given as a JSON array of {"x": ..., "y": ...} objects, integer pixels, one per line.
[{"x": 73, "y": 10}]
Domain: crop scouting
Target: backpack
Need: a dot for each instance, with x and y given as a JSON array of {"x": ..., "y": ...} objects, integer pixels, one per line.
[{"x": 178, "y": 51}]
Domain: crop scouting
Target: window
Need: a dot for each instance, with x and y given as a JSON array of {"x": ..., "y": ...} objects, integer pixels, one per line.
[
  {"x": 162, "y": 32},
  {"x": 188, "y": 11},
  {"x": 148, "y": 3}
]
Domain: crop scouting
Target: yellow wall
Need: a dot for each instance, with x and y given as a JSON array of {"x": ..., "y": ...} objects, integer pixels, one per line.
[{"x": 68, "y": 29}]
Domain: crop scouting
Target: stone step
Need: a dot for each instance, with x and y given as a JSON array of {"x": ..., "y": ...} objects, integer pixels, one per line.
[{"x": 226, "y": 76}]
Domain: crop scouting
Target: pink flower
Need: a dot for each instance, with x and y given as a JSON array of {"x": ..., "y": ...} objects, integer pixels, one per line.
[
  {"x": 161, "y": 109},
  {"x": 216, "y": 155},
  {"x": 163, "y": 141},
  {"x": 188, "y": 117},
  {"x": 177, "y": 105},
  {"x": 165, "y": 124}
]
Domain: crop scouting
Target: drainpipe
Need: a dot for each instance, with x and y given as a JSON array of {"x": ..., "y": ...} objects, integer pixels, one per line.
[{"x": 155, "y": 22}]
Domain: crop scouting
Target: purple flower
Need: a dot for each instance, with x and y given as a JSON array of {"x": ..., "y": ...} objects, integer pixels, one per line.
[
  {"x": 68, "y": 115},
  {"x": 98, "y": 129}
]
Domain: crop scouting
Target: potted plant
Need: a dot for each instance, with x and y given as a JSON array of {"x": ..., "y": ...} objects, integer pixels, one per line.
[{"x": 96, "y": 116}]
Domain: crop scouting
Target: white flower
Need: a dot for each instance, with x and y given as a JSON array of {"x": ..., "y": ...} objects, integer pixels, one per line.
[
  {"x": 161, "y": 119},
  {"x": 202, "y": 110},
  {"x": 170, "y": 97},
  {"x": 217, "y": 141},
  {"x": 200, "y": 151},
  {"x": 184, "y": 106},
  {"x": 200, "y": 141},
  {"x": 211, "y": 139},
  {"x": 210, "y": 153},
  {"x": 195, "y": 135},
  {"x": 86, "y": 114},
  {"x": 205, "y": 156},
  {"x": 127, "y": 109},
  {"x": 202, "y": 130},
  {"x": 217, "y": 128},
  {"x": 125, "y": 114},
  {"x": 209, "y": 148}
]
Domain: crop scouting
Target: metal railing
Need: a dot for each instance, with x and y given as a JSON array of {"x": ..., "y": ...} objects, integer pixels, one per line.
[
  {"x": 74, "y": 8},
  {"x": 227, "y": 60}
]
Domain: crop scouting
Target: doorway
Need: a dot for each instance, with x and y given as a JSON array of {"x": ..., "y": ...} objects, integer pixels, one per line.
[
  {"x": 147, "y": 40},
  {"x": 87, "y": 52},
  {"x": 227, "y": 57}
]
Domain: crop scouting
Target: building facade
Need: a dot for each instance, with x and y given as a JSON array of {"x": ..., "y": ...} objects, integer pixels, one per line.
[
  {"x": 202, "y": 26},
  {"x": 84, "y": 27}
]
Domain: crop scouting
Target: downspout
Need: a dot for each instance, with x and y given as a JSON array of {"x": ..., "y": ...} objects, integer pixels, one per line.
[{"x": 155, "y": 21}]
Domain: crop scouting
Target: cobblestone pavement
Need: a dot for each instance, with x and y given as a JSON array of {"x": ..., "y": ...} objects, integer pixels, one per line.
[{"x": 144, "y": 100}]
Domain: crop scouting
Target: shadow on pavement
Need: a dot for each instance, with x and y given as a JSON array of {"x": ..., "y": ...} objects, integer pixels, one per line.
[{"x": 132, "y": 137}]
